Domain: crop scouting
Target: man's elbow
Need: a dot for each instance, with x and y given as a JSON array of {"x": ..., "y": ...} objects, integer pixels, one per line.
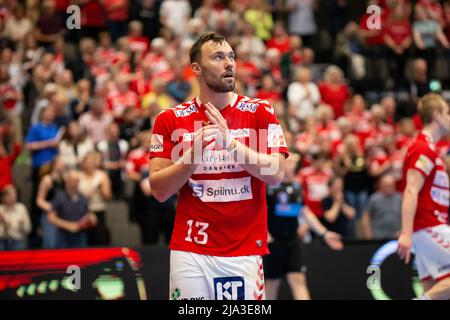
[
  {"x": 157, "y": 193},
  {"x": 275, "y": 180},
  {"x": 160, "y": 196}
]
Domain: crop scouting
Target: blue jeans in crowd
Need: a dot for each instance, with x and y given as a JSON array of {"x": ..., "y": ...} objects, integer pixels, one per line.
[
  {"x": 49, "y": 232},
  {"x": 357, "y": 200},
  {"x": 12, "y": 244},
  {"x": 65, "y": 239}
]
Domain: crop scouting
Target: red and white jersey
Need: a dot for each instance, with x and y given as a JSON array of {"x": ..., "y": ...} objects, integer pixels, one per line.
[
  {"x": 315, "y": 187},
  {"x": 138, "y": 161},
  {"x": 433, "y": 203},
  {"x": 222, "y": 209},
  {"x": 117, "y": 102}
]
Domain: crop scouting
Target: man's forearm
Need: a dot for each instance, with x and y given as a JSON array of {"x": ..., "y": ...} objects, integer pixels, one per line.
[
  {"x": 265, "y": 167},
  {"x": 409, "y": 207},
  {"x": 169, "y": 180}
]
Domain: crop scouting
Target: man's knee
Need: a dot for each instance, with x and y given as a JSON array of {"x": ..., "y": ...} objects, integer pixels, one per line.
[{"x": 296, "y": 278}]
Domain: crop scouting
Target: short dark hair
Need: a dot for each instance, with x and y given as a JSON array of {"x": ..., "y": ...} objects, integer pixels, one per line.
[{"x": 195, "y": 51}]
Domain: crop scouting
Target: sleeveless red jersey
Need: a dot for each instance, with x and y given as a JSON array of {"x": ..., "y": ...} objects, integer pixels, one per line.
[
  {"x": 222, "y": 209},
  {"x": 433, "y": 202}
]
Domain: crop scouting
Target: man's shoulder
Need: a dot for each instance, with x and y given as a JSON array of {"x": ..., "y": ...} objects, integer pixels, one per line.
[{"x": 181, "y": 110}]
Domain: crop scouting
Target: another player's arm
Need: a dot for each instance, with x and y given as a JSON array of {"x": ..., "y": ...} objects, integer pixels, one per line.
[
  {"x": 332, "y": 239},
  {"x": 366, "y": 225},
  {"x": 414, "y": 183}
]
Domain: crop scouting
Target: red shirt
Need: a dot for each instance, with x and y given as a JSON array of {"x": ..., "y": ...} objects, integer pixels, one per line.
[
  {"x": 5, "y": 89},
  {"x": 315, "y": 187},
  {"x": 61, "y": 5},
  {"x": 138, "y": 160},
  {"x": 283, "y": 45},
  {"x": 118, "y": 102},
  {"x": 273, "y": 96},
  {"x": 377, "y": 39},
  {"x": 222, "y": 209},
  {"x": 92, "y": 14},
  {"x": 116, "y": 14},
  {"x": 399, "y": 31},
  {"x": 141, "y": 86},
  {"x": 6, "y": 164},
  {"x": 139, "y": 45},
  {"x": 433, "y": 202},
  {"x": 335, "y": 97}
]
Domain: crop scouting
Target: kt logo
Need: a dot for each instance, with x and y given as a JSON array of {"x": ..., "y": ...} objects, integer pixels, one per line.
[{"x": 229, "y": 288}]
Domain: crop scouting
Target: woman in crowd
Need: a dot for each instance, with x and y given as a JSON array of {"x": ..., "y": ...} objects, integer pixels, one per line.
[{"x": 96, "y": 187}]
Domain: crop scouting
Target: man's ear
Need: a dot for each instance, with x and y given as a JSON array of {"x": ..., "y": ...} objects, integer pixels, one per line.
[{"x": 196, "y": 68}]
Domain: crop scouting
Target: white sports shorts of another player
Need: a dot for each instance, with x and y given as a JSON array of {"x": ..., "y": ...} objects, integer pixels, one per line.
[
  {"x": 432, "y": 250},
  {"x": 201, "y": 277}
]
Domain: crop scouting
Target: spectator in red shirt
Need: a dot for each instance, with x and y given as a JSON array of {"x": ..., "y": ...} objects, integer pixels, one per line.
[
  {"x": 398, "y": 40},
  {"x": 280, "y": 39},
  {"x": 121, "y": 97},
  {"x": 93, "y": 19},
  {"x": 138, "y": 44},
  {"x": 334, "y": 91},
  {"x": 268, "y": 90},
  {"x": 314, "y": 180},
  {"x": 7, "y": 160},
  {"x": 116, "y": 17},
  {"x": 9, "y": 97}
]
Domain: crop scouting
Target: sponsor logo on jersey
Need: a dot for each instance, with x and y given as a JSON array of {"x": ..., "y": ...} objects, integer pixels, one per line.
[
  {"x": 188, "y": 136},
  {"x": 198, "y": 189},
  {"x": 441, "y": 179},
  {"x": 229, "y": 288},
  {"x": 425, "y": 164},
  {"x": 156, "y": 144},
  {"x": 186, "y": 112},
  {"x": 223, "y": 190},
  {"x": 275, "y": 136},
  {"x": 217, "y": 161},
  {"x": 251, "y": 107},
  {"x": 440, "y": 196},
  {"x": 441, "y": 216}
]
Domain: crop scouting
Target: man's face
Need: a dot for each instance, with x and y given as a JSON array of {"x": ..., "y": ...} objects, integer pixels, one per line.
[
  {"x": 218, "y": 66},
  {"x": 443, "y": 120}
]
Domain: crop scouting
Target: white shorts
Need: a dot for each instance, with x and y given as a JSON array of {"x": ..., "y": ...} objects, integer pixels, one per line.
[
  {"x": 201, "y": 277},
  {"x": 432, "y": 250}
]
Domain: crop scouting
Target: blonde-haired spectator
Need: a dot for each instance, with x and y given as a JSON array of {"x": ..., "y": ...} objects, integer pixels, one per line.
[
  {"x": 303, "y": 95},
  {"x": 15, "y": 222}
]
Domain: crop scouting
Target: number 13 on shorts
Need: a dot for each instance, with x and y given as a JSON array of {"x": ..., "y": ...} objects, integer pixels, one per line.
[{"x": 202, "y": 236}]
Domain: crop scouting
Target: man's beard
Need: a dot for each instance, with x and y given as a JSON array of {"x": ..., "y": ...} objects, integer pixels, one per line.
[{"x": 217, "y": 85}]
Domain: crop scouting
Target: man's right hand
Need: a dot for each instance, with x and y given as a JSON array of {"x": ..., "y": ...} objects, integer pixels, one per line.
[
  {"x": 73, "y": 227},
  {"x": 404, "y": 246}
]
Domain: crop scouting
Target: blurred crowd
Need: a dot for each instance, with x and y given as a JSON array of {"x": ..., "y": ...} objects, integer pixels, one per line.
[{"x": 80, "y": 103}]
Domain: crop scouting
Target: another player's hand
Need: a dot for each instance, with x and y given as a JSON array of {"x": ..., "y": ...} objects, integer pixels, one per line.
[
  {"x": 223, "y": 137},
  {"x": 269, "y": 238},
  {"x": 333, "y": 240},
  {"x": 404, "y": 246}
]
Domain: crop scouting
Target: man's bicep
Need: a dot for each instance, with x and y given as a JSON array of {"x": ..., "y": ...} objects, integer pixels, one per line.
[{"x": 414, "y": 180}]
